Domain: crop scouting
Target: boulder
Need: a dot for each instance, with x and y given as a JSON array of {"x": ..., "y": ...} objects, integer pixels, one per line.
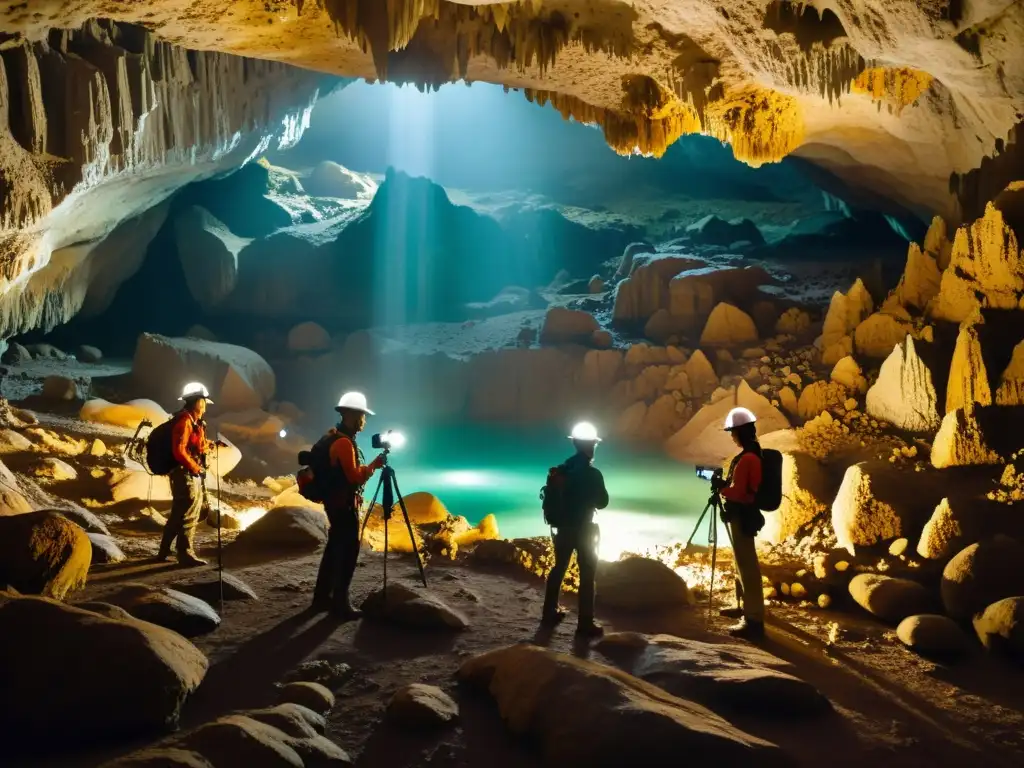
[
  {"x": 662, "y": 326},
  {"x": 847, "y": 373},
  {"x": 878, "y": 334},
  {"x": 725, "y": 677},
  {"x": 876, "y": 502},
  {"x": 54, "y": 469},
  {"x": 728, "y": 326},
  {"x": 968, "y": 378},
  {"x": 60, "y": 388},
  {"x": 209, "y": 253},
  {"x": 701, "y": 376},
  {"x": 888, "y": 598},
  {"x": 789, "y": 401},
  {"x": 283, "y": 529},
  {"x": 425, "y": 508},
  {"x": 88, "y": 354},
  {"x": 793, "y": 321},
  {"x": 1011, "y": 383},
  {"x": 596, "y": 285},
  {"x": 187, "y": 615},
  {"x": 311, "y": 695},
  {"x": 237, "y": 378},
  {"x": 556, "y": 700},
  {"x": 105, "y": 609},
  {"x": 46, "y": 352},
  {"x": 921, "y": 278},
  {"x": 61, "y": 672},
  {"x": 12, "y": 499},
  {"x": 421, "y": 706},
  {"x": 600, "y": 369},
  {"x": 904, "y": 394},
  {"x": 308, "y": 337},
  {"x": 15, "y": 354},
  {"x": 105, "y": 549},
  {"x": 933, "y": 635},
  {"x": 640, "y": 584},
  {"x": 819, "y": 396},
  {"x": 1000, "y": 627},
  {"x": 629, "y": 254},
  {"x": 292, "y": 719},
  {"x": 646, "y": 289},
  {"x": 97, "y": 448},
  {"x": 83, "y": 517},
  {"x": 837, "y": 350},
  {"x": 981, "y": 574},
  {"x": 208, "y": 588},
  {"x": 13, "y": 442},
  {"x": 703, "y": 441},
  {"x": 714, "y": 230},
  {"x": 565, "y": 326},
  {"x": 413, "y": 608},
  {"x": 807, "y": 489},
  {"x": 985, "y": 269},
  {"x": 128, "y": 415},
  {"x": 842, "y": 317},
  {"x": 963, "y": 520},
  {"x": 241, "y": 740},
  {"x": 43, "y": 553}
]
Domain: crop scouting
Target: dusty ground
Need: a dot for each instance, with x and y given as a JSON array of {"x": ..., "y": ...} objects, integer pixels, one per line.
[{"x": 891, "y": 706}]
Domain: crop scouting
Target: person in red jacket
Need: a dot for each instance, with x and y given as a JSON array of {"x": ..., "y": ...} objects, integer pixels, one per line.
[
  {"x": 348, "y": 476},
  {"x": 190, "y": 448},
  {"x": 741, "y": 514}
]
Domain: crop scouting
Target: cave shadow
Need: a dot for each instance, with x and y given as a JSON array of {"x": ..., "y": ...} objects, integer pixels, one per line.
[{"x": 383, "y": 641}]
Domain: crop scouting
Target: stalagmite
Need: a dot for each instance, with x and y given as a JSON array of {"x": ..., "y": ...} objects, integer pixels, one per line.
[
  {"x": 904, "y": 394},
  {"x": 1011, "y": 383},
  {"x": 968, "y": 379}
]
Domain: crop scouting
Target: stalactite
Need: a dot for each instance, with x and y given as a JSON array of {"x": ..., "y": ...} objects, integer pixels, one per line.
[
  {"x": 762, "y": 126},
  {"x": 899, "y": 87}
]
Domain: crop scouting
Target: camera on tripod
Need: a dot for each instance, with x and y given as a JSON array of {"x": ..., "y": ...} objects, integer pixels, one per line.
[
  {"x": 713, "y": 475},
  {"x": 386, "y": 441}
]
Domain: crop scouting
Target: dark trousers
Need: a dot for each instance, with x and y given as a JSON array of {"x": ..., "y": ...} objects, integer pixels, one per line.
[
  {"x": 186, "y": 507},
  {"x": 338, "y": 564},
  {"x": 581, "y": 539}
]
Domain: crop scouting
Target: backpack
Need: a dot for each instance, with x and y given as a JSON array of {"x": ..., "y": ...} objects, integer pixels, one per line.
[
  {"x": 159, "y": 456},
  {"x": 769, "y": 493},
  {"x": 315, "y": 479},
  {"x": 553, "y": 496}
]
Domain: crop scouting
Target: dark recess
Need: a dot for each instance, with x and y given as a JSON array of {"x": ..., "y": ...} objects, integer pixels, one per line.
[{"x": 804, "y": 23}]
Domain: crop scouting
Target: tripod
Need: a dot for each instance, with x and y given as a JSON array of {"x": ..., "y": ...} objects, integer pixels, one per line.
[
  {"x": 220, "y": 527},
  {"x": 714, "y": 506},
  {"x": 387, "y": 486}
]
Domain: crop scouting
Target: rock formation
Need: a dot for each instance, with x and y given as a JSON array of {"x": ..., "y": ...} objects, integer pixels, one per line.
[{"x": 904, "y": 393}]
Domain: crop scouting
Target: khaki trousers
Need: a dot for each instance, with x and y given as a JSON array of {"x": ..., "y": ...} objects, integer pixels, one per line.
[{"x": 748, "y": 582}]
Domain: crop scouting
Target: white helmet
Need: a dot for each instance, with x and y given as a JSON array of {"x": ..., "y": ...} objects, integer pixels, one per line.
[
  {"x": 194, "y": 390},
  {"x": 353, "y": 401},
  {"x": 738, "y": 417},
  {"x": 585, "y": 432}
]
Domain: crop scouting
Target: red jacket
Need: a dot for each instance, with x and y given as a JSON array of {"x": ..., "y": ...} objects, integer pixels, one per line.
[
  {"x": 746, "y": 479},
  {"x": 188, "y": 442}
]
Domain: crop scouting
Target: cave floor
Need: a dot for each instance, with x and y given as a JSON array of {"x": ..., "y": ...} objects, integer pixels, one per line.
[{"x": 890, "y": 705}]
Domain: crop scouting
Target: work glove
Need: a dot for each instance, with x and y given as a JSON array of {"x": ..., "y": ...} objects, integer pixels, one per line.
[{"x": 379, "y": 461}]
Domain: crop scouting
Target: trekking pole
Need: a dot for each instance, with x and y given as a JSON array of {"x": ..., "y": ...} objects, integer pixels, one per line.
[{"x": 220, "y": 527}]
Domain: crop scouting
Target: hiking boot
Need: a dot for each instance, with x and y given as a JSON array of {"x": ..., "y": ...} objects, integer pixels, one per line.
[
  {"x": 747, "y": 629},
  {"x": 190, "y": 559},
  {"x": 589, "y": 629},
  {"x": 550, "y": 620},
  {"x": 162, "y": 556},
  {"x": 736, "y": 612}
]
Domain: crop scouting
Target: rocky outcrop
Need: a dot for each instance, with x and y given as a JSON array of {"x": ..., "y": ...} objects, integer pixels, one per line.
[
  {"x": 86, "y": 108},
  {"x": 208, "y": 252},
  {"x": 714, "y": 230},
  {"x": 933, "y": 635},
  {"x": 43, "y": 553},
  {"x": 963, "y": 520},
  {"x": 646, "y": 290},
  {"x": 904, "y": 394},
  {"x": 728, "y": 326},
  {"x": 982, "y": 574},
  {"x": 845, "y": 313},
  {"x": 237, "y": 378},
  {"x": 878, "y": 334},
  {"x": 848, "y": 373}
]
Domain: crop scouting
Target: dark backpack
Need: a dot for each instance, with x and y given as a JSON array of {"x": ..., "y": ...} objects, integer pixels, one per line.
[
  {"x": 553, "y": 496},
  {"x": 159, "y": 458},
  {"x": 316, "y": 480},
  {"x": 768, "y": 496}
]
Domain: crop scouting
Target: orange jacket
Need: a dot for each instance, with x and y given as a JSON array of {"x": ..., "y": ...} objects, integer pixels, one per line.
[
  {"x": 343, "y": 456},
  {"x": 746, "y": 479},
  {"x": 188, "y": 442}
]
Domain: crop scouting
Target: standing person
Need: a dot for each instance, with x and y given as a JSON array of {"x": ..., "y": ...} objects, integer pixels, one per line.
[
  {"x": 574, "y": 530},
  {"x": 348, "y": 475},
  {"x": 740, "y": 512},
  {"x": 190, "y": 448}
]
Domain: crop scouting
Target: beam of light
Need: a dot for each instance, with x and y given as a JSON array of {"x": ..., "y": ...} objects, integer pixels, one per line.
[
  {"x": 247, "y": 517},
  {"x": 396, "y": 439},
  {"x": 466, "y": 478}
]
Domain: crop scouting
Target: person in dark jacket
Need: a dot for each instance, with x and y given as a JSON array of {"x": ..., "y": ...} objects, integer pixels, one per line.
[
  {"x": 745, "y": 521},
  {"x": 190, "y": 448},
  {"x": 349, "y": 475},
  {"x": 584, "y": 493}
]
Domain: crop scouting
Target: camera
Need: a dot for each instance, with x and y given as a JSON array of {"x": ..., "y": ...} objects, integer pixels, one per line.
[
  {"x": 386, "y": 441},
  {"x": 708, "y": 473}
]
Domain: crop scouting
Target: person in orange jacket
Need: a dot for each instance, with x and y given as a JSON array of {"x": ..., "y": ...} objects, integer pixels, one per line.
[
  {"x": 348, "y": 476},
  {"x": 190, "y": 449}
]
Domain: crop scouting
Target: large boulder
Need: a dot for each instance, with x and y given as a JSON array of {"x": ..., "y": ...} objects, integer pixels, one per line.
[
  {"x": 878, "y": 334},
  {"x": 877, "y": 502},
  {"x": 1000, "y": 627},
  {"x": 985, "y": 269},
  {"x": 60, "y": 388},
  {"x": 966, "y": 519},
  {"x": 563, "y": 326},
  {"x": 703, "y": 440},
  {"x": 728, "y": 326},
  {"x": 982, "y": 574},
  {"x": 421, "y": 706},
  {"x": 283, "y": 530},
  {"x": 819, "y": 396},
  {"x": 86, "y": 675},
  {"x": 128, "y": 415},
  {"x": 889, "y": 598},
  {"x": 43, "y": 553},
  {"x": 646, "y": 289},
  {"x": 237, "y": 378},
  {"x": 412, "y": 608},
  {"x": 727, "y": 677},
  {"x": 904, "y": 394},
  {"x": 932, "y": 635},
  {"x": 308, "y": 337},
  {"x": 640, "y": 584},
  {"x": 209, "y": 254},
  {"x": 807, "y": 489},
  {"x": 583, "y": 713},
  {"x": 183, "y": 613}
]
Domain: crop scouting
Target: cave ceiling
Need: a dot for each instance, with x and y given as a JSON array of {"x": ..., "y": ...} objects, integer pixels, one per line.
[{"x": 894, "y": 97}]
